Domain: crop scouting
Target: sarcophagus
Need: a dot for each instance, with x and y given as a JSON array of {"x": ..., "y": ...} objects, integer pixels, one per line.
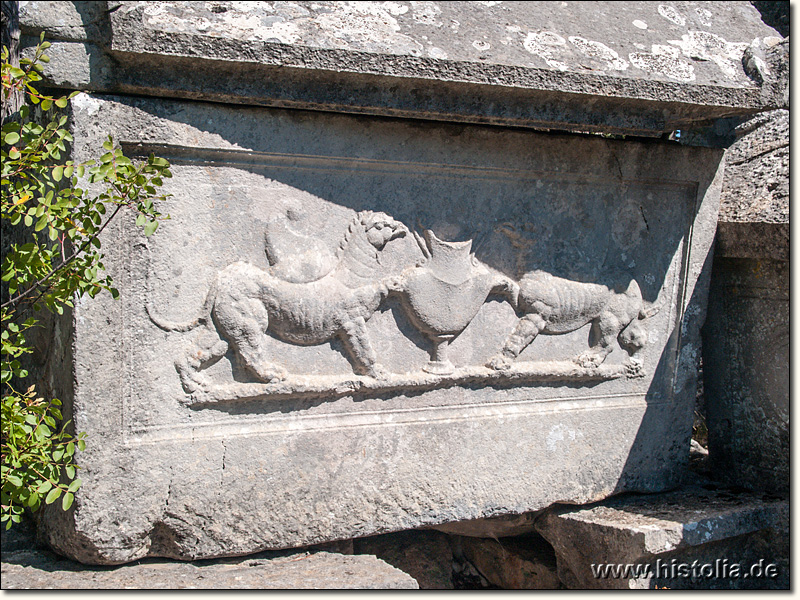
[
  {"x": 273, "y": 376},
  {"x": 394, "y": 291}
]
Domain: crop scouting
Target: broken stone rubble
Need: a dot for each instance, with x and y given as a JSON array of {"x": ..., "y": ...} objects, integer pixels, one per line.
[{"x": 704, "y": 524}]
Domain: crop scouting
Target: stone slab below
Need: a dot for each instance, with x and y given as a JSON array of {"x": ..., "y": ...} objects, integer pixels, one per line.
[
  {"x": 39, "y": 570},
  {"x": 709, "y": 526}
]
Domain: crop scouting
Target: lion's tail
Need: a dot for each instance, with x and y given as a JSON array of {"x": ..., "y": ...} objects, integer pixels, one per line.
[{"x": 202, "y": 318}]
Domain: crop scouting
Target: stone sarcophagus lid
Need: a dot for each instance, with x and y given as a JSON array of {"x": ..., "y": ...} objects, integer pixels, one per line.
[
  {"x": 352, "y": 326},
  {"x": 390, "y": 294}
]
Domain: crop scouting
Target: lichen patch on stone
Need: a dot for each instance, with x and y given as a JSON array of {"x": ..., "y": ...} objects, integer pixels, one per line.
[
  {"x": 426, "y": 13},
  {"x": 704, "y": 16},
  {"x": 600, "y": 52},
  {"x": 672, "y": 15},
  {"x": 543, "y": 45},
  {"x": 702, "y": 45},
  {"x": 663, "y": 60}
]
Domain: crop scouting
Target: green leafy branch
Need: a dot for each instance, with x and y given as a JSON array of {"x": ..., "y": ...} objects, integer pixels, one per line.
[{"x": 56, "y": 257}]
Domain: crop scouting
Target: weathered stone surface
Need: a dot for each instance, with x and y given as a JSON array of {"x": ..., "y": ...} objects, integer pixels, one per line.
[
  {"x": 294, "y": 409},
  {"x": 27, "y": 564},
  {"x": 624, "y": 67},
  {"x": 495, "y": 527},
  {"x": 40, "y": 570},
  {"x": 756, "y": 186},
  {"x": 746, "y": 339},
  {"x": 66, "y": 21},
  {"x": 516, "y": 563},
  {"x": 746, "y": 369},
  {"x": 765, "y": 241},
  {"x": 694, "y": 524},
  {"x": 424, "y": 555}
]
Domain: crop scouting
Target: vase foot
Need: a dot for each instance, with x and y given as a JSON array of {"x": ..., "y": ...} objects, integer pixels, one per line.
[{"x": 439, "y": 367}]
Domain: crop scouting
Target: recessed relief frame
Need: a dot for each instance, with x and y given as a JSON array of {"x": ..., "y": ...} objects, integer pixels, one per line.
[{"x": 462, "y": 277}]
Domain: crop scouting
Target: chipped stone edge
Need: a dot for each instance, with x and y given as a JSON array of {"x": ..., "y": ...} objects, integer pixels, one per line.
[{"x": 140, "y": 60}]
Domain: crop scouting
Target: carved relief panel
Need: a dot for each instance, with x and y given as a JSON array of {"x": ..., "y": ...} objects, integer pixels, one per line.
[
  {"x": 352, "y": 325},
  {"x": 381, "y": 273}
]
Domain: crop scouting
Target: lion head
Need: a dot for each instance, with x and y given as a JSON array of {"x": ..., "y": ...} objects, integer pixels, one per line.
[{"x": 380, "y": 228}]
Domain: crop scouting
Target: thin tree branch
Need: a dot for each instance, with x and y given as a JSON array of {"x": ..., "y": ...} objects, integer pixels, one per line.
[{"x": 13, "y": 301}]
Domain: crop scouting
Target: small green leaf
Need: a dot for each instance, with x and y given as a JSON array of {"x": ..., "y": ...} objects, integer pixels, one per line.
[
  {"x": 53, "y": 495},
  {"x": 12, "y": 138},
  {"x": 67, "y": 501},
  {"x": 150, "y": 228},
  {"x": 58, "y": 173}
]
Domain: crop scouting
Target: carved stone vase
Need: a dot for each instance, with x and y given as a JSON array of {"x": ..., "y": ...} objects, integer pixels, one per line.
[{"x": 444, "y": 293}]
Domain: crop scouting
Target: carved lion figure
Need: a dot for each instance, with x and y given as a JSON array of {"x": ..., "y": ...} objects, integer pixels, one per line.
[
  {"x": 553, "y": 306},
  {"x": 245, "y": 303}
]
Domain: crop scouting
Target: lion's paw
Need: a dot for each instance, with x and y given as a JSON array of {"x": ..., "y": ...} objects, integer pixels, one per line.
[
  {"x": 499, "y": 362},
  {"x": 191, "y": 381},
  {"x": 634, "y": 368},
  {"x": 270, "y": 373},
  {"x": 377, "y": 372},
  {"x": 589, "y": 360}
]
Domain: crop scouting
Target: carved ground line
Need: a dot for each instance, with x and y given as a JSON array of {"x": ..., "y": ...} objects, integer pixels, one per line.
[
  {"x": 230, "y": 157},
  {"x": 281, "y": 425},
  {"x": 333, "y": 387}
]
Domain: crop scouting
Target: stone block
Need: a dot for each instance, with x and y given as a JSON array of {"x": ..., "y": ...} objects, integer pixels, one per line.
[
  {"x": 746, "y": 370},
  {"x": 746, "y": 338},
  {"x": 617, "y": 67},
  {"x": 513, "y": 563},
  {"x": 335, "y": 334},
  {"x": 493, "y": 527},
  {"x": 756, "y": 185},
  {"x": 673, "y": 535},
  {"x": 36, "y": 570}
]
